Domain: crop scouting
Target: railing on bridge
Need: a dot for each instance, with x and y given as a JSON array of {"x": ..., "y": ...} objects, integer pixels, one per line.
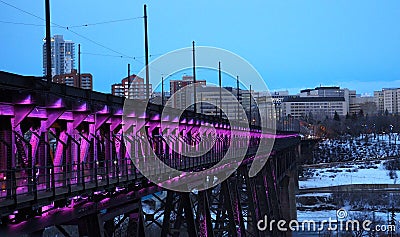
[{"x": 44, "y": 180}]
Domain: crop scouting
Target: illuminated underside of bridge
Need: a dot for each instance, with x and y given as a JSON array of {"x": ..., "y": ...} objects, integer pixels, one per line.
[{"x": 64, "y": 161}]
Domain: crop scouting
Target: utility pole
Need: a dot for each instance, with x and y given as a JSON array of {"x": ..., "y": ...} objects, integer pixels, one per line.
[
  {"x": 129, "y": 78},
  {"x": 146, "y": 52},
  {"x": 201, "y": 102},
  {"x": 220, "y": 89},
  {"x": 216, "y": 107},
  {"x": 79, "y": 67},
  {"x": 237, "y": 95},
  {"x": 129, "y": 75},
  {"x": 250, "y": 105},
  {"x": 48, "y": 43},
  {"x": 194, "y": 77},
  {"x": 162, "y": 90}
]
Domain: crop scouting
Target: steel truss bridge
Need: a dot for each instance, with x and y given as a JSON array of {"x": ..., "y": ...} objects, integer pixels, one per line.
[{"x": 64, "y": 162}]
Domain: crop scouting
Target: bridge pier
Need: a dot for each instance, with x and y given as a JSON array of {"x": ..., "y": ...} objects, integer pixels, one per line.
[
  {"x": 136, "y": 223},
  {"x": 109, "y": 227},
  {"x": 253, "y": 213},
  {"x": 287, "y": 195},
  {"x": 203, "y": 217},
  {"x": 91, "y": 226},
  {"x": 38, "y": 233}
]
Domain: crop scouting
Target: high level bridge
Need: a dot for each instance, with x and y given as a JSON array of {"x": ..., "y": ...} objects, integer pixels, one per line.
[{"x": 63, "y": 161}]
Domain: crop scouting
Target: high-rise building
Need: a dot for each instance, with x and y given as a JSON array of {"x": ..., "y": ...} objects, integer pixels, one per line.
[
  {"x": 62, "y": 56},
  {"x": 72, "y": 79},
  {"x": 388, "y": 100},
  {"x": 132, "y": 88}
]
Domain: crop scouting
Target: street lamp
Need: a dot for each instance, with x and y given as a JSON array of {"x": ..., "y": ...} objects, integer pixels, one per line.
[{"x": 390, "y": 134}]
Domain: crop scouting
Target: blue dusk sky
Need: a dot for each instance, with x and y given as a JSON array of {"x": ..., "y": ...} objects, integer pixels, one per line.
[{"x": 292, "y": 44}]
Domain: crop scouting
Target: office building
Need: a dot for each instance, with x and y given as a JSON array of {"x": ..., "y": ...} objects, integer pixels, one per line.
[
  {"x": 133, "y": 87},
  {"x": 379, "y": 101},
  {"x": 62, "y": 56},
  {"x": 319, "y": 102},
  {"x": 72, "y": 79},
  {"x": 183, "y": 98},
  {"x": 388, "y": 99}
]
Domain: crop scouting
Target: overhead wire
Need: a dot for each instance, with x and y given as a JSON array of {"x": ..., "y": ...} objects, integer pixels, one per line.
[
  {"x": 105, "y": 22},
  {"x": 21, "y": 23},
  {"x": 68, "y": 28}
]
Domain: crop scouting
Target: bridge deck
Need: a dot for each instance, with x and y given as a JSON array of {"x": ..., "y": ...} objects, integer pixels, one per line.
[
  {"x": 69, "y": 166},
  {"x": 65, "y": 147}
]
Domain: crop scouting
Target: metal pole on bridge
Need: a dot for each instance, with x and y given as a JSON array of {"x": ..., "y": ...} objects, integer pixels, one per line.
[
  {"x": 194, "y": 77},
  {"x": 48, "y": 43},
  {"x": 220, "y": 89},
  {"x": 129, "y": 79},
  {"x": 250, "y": 105},
  {"x": 237, "y": 95},
  {"x": 146, "y": 52},
  {"x": 162, "y": 91},
  {"x": 79, "y": 67}
]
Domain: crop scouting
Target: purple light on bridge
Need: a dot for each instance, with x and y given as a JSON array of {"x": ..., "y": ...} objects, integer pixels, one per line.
[
  {"x": 83, "y": 107},
  {"x": 105, "y": 200},
  {"x": 104, "y": 110},
  {"x": 175, "y": 120},
  {"x": 38, "y": 113},
  {"x": 27, "y": 100},
  {"x": 156, "y": 117},
  {"x": 143, "y": 116},
  {"x": 119, "y": 112},
  {"x": 165, "y": 118},
  {"x": 58, "y": 104}
]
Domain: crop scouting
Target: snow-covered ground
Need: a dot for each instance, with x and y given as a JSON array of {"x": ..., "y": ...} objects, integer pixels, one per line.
[
  {"x": 346, "y": 160},
  {"x": 349, "y": 174}
]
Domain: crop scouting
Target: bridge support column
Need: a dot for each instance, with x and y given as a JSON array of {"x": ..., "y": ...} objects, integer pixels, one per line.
[
  {"x": 109, "y": 227},
  {"x": 253, "y": 210},
  {"x": 38, "y": 233},
  {"x": 288, "y": 197},
  {"x": 270, "y": 183},
  {"x": 286, "y": 201},
  {"x": 236, "y": 204},
  {"x": 91, "y": 226},
  {"x": 189, "y": 215},
  {"x": 167, "y": 214},
  {"x": 203, "y": 215},
  {"x": 136, "y": 223},
  {"x": 183, "y": 204}
]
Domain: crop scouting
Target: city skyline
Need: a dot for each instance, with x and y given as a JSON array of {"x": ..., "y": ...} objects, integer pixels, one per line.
[{"x": 293, "y": 45}]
